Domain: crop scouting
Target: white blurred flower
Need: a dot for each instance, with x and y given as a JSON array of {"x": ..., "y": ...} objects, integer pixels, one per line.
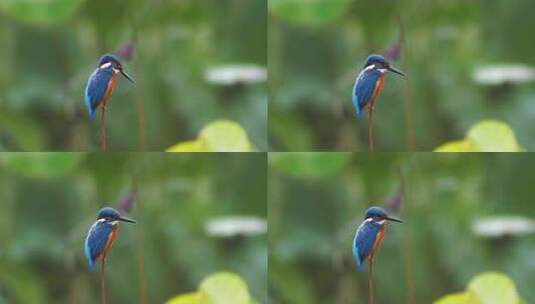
[
  {"x": 232, "y": 74},
  {"x": 231, "y": 226},
  {"x": 499, "y": 226},
  {"x": 504, "y": 73}
]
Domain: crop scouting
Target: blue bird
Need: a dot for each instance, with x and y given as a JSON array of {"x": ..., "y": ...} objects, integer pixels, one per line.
[
  {"x": 101, "y": 83},
  {"x": 370, "y": 82},
  {"x": 369, "y": 235},
  {"x": 102, "y": 234}
]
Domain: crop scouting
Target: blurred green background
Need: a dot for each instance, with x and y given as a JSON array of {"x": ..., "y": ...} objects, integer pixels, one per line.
[
  {"x": 316, "y": 201},
  {"x": 49, "y": 201},
  {"x": 50, "y": 47},
  {"x": 317, "y": 48}
]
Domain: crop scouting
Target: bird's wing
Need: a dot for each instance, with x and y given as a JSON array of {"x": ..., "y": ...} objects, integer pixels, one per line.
[
  {"x": 363, "y": 242},
  {"x": 363, "y": 88},
  {"x": 96, "y": 88},
  {"x": 96, "y": 241}
]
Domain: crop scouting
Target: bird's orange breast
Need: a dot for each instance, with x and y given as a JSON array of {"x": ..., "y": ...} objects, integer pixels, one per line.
[
  {"x": 110, "y": 88},
  {"x": 378, "y": 88},
  {"x": 378, "y": 238},
  {"x": 109, "y": 243}
]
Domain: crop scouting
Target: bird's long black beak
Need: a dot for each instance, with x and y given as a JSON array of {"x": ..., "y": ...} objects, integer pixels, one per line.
[
  {"x": 393, "y": 69},
  {"x": 127, "y": 76},
  {"x": 393, "y": 219},
  {"x": 125, "y": 219}
]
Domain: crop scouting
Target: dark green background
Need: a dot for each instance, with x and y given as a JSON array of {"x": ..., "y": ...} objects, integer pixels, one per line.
[
  {"x": 316, "y": 202},
  {"x": 49, "y": 50},
  {"x": 316, "y": 50},
  {"x": 49, "y": 201}
]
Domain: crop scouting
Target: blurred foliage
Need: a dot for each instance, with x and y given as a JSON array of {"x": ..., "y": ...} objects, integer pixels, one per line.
[
  {"x": 49, "y": 201},
  {"x": 309, "y": 164},
  {"x": 309, "y": 12},
  {"x": 485, "y": 136},
  {"x": 316, "y": 203},
  {"x": 50, "y": 47},
  {"x": 220, "y": 288},
  {"x": 218, "y": 136},
  {"x": 317, "y": 48},
  {"x": 486, "y": 288},
  {"x": 41, "y": 165},
  {"x": 37, "y": 12}
]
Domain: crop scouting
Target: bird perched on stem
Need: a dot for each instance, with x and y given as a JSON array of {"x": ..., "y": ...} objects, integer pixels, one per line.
[
  {"x": 99, "y": 240},
  {"x": 370, "y": 82},
  {"x": 369, "y": 235},
  {"x": 102, "y": 81},
  {"x": 99, "y": 88},
  {"x": 367, "y": 240},
  {"x": 102, "y": 234},
  {"x": 368, "y": 86}
]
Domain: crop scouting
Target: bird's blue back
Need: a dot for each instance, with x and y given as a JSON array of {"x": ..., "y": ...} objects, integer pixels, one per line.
[
  {"x": 96, "y": 241},
  {"x": 363, "y": 89},
  {"x": 96, "y": 88},
  {"x": 363, "y": 242}
]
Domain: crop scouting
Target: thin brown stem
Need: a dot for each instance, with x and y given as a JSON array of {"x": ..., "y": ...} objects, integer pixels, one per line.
[
  {"x": 370, "y": 129},
  {"x": 140, "y": 121},
  {"x": 370, "y": 282},
  {"x": 103, "y": 131},
  {"x": 139, "y": 247},
  {"x": 407, "y": 253},
  {"x": 140, "y": 114},
  {"x": 102, "y": 283},
  {"x": 407, "y": 99}
]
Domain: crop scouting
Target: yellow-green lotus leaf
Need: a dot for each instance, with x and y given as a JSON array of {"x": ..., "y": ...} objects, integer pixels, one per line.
[
  {"x": 456, "y": 298},
  {"x": 224, "y": 288},
  {"x": 485, "y": 136},
  {"x": 217, "y": 136},
  {"x": 189, "y": 298},
  {"x": 493, "y": 288}
]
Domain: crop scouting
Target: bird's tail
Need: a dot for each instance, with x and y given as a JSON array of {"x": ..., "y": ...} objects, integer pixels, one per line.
[
  {"x": 358, "y": 261},
  {"x": 88, "y": 104},
  {"x": 359, "y": 111},
  {"x": 91, "y": 264},
  {"x": 91, "y": 113},
  {"x": 90, "y": 260},
  {"x": 357, "y": 106},
  {"x": 360, "y": 267}
]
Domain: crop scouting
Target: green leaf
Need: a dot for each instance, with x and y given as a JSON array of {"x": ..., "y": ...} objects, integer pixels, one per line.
[
  {"x": 309, "y": 12},
  {"x": 196, "y": 145},
  {"x": 309, "y": 164},
  {"x": 218, "y": 288},
  {"x": 485, "y": 136},
  {"x": 40, "y": 12},
  {"x": 485, "y": 288},
  {"x": 493, "y": 135},
  {"x": 225, "y": 135},
  {"x": 493, "y": 288},
  {"x": 217, "y": 136},
  {"x": 457, "y": 146},
  {"x": 456, "y": 298},
  {"x": 189, "y": 298},
  {"x": 41, "y": 165},
  {"x": 224, "y": 288}
]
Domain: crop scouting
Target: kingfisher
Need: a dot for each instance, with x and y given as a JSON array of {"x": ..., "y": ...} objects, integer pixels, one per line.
[
  {"x": 370, "y": 82},
  {"x": 101, "y": 83},
  {"x": 102, "y": 234},
  {"x": 369, "y": 235}
]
